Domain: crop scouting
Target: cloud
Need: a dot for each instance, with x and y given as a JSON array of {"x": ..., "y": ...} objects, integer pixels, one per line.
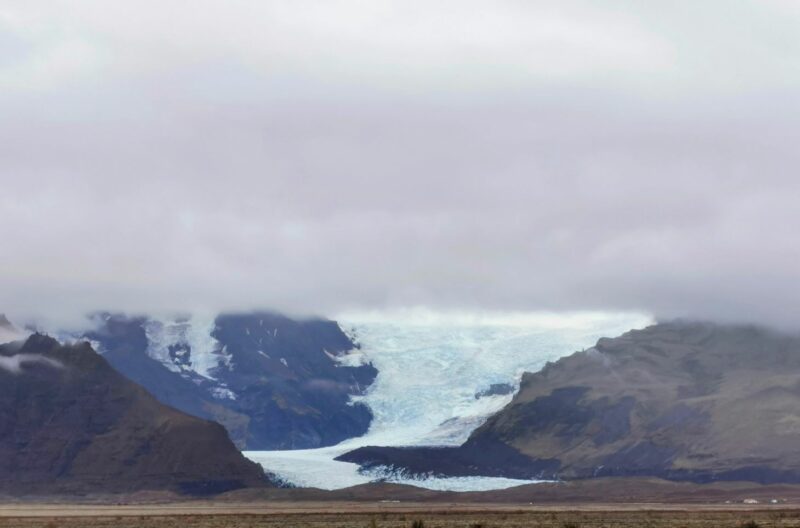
[
  {"x": 321, "y": 157},
  {"x": 9, "y": 335},
  {"x": 9, "y": 332},
  {"x": 13, "y": 364}
]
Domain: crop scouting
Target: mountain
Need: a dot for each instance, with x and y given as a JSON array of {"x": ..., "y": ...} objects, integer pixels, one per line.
[
  {"x": 680, "y": 400},
  {"x": 272, "y": 381},
  {"x": 69, "y": 423}
]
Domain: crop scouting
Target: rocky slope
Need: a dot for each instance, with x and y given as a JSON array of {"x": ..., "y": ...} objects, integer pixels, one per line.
[
  {"x": 683, "y": 401},
  {"x": 69, "y": 423},
  {"x": 273, "y": 382}
]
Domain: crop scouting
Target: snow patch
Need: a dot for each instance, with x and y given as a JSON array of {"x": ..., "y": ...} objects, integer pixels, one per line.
[
  {"x": 222, "y": 393},
  {"x": 186, "y": 345}
]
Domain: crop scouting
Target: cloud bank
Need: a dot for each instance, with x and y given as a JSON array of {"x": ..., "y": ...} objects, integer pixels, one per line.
[{"x": 325, "y": 156}]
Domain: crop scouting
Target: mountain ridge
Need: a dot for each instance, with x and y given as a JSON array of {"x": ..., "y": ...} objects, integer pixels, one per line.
[
  {"x": 272, "y": 381},
  {"x": 70, "y": 423}
]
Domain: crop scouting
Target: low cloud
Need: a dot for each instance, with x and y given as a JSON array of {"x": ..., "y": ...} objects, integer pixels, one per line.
[
  {"x": 9, "y": 332},
  {"x": 14, "y": 364}
]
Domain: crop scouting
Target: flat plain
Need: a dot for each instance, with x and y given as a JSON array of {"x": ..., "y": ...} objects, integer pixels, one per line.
[
  {"x": 381, "y": 515},
  {"x": 595, "y": 503}
]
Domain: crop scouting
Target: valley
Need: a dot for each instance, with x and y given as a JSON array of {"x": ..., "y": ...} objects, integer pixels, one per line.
[{"x": 433, "y": 373}]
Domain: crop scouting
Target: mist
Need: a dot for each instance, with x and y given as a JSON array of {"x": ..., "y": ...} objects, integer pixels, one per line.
[
  {"x": 462, "y": 156},
  {"x": 14, "y": 364}
]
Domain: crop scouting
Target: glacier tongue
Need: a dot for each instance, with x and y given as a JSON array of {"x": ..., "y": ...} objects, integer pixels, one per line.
[{"x": 430, "y": 367}]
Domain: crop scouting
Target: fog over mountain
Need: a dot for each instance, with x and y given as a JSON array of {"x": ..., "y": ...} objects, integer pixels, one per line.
[{"x": 320, "y": 157}]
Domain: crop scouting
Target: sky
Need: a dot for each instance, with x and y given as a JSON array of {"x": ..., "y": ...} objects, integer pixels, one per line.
[{"x": 323, "y": 156}]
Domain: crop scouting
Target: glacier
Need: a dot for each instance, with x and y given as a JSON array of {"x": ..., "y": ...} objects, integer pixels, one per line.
[{"x": 432, "y": 367}]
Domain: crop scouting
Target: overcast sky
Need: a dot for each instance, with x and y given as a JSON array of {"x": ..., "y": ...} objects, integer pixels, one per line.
[{"x": 320, "y": 156}]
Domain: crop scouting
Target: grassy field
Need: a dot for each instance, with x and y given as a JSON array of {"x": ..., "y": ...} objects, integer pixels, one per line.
[{"x": 630, "y": 518}]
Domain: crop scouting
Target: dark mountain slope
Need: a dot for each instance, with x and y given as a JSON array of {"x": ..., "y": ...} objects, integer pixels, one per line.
[
  {"x": 275, "y": 383},
  {"x": 69, "y": 423},
  {"x": 683, "y": 401},
  {"x": 123, "y": 343}
]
